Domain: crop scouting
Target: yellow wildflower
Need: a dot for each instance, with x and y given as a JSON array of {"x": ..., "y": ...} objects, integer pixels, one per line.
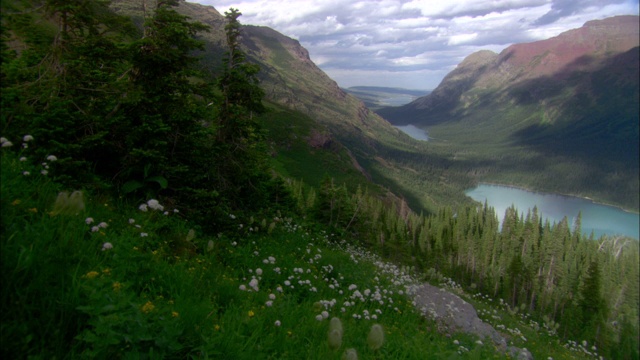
[
  {"x": 91, "y": 274},
  {"x": 116, "y": 286},
  {"x": 148, "y": 307},
  {"x": 106, "y": 271},
  {"x": 216, "y": 327},
  {"x": 16, "y": 202},
  {"x": 33, "y": 210},
  {"x": 174, "y": 314},
  {"x": 251, "y": 313}
]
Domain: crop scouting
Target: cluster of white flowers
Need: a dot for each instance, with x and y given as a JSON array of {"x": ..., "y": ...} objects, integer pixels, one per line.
[
  {"x": 95, "y": 228},
  {"x": 583, "y": 347},
  {"x": 4, "y": 142}
]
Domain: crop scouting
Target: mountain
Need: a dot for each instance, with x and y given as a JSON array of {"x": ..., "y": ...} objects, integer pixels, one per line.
[
  {"x": 316, "y": 127},
  {"x": 572, "y": 98}
]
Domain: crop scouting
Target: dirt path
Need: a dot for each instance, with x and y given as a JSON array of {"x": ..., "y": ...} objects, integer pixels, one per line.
[{"x": 456, "y": 315}]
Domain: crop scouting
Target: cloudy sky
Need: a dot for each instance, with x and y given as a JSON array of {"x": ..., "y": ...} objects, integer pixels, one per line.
[{"x": 413, "y": 43}]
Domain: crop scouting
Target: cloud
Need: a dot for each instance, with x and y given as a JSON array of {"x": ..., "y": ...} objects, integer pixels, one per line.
[
  {"x": 414, "y": 43},
  {"x": 565, "y": 8}
]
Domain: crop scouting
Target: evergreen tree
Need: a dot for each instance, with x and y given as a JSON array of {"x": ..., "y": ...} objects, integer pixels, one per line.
[{"x": 243, "y": 165}]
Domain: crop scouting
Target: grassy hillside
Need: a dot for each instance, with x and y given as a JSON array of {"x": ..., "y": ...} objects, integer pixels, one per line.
[{"x": 91, "y": 276}]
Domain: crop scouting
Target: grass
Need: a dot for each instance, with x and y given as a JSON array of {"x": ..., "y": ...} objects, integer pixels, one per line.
[{"x": 162, "y": 289}]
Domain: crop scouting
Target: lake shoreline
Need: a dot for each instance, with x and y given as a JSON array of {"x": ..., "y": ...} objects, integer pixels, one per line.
[{"x": 555, "y": 193}]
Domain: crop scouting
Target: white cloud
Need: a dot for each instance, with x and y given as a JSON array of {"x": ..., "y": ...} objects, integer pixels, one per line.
[{"x": 414, "y": 43}]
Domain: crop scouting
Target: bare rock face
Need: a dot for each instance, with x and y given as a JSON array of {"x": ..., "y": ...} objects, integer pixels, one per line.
[
  {"x": 454, "y": 314},
  {"x": 319, "y": 140}
]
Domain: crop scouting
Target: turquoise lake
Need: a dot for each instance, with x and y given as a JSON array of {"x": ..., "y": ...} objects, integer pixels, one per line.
[
  {"x": 414, "y": 132},
  {"x": 601, "y": 219}
]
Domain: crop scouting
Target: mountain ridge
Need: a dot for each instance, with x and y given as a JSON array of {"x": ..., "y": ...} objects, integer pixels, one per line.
[{"x": 572, "y": 98}]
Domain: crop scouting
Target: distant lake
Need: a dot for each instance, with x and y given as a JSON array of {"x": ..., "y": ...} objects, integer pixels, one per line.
[
  {"x": 398, "y": 100},
  {"x": 414, "y": 132},
  {"x": 601, "y": 219}
]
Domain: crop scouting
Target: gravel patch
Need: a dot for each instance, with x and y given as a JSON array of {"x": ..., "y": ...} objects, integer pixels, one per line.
[{"x": 452, "y": 314}]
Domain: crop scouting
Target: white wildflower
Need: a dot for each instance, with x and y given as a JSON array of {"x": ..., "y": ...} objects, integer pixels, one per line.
[
  {"x": 107, "y": 246},
  {"x": 131, "y": 221},
  {"x": 155, "y": 205},
  {"x": 7, "y": 144},
  {"x": 277, "y": 323},
  {"x": 144, "y": 234},
  {"x": 88, "y": 220},
  {"x": 52, "y": 158},
  {"x": 27, "y": 138},
  {"x": 103, "y": 225},
  {"x": 143, "y": 207},
  {"x": 26, "y": 173},
  {"x": 23, "y": 158}
]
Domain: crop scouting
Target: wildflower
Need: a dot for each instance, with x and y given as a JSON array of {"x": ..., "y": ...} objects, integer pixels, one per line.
[
  {"x": 233, "y": 217},
  {"x": 95, "y": 229},
  {"x": 131, "y": 221},
  {"x": 174, "y": 314},
  {"x": 258, "y": 271},
  {"x": 319, "y": 317},
  {"x": 254, "y": 284},
  {"x": 7, "y": 144},
  {"x": 277, "y": 323},
  {"x": 103, "y": 225},
  {"x": 350, "y": 354},
  {"x": 143, "y": 207},
  {"x": 148, "y": 307},
  {"x": 52, "y": 158},
  {"x": 27, "y": 138},
  {"x": 243, "y": 287},
  {"x": 116, "y": 286},
  {"x": 88, "y": 220},
  {"x": 176, "y": 211},
  {"x": 334, "y": 337},
  {"x": 3, "y": 140},
  {"x": 325, "y": 314},
  {"x": 376, "y": 337},
  {"x": 107, "y": 246},
  {"x": 144, "y": 234},
  {"x": 272, "y": 296},
  {"x": 26, "y": 173},
  {"x": 23, "y": 158},
  {"x": 251, "y": 313},
  {"x": 269, "y": 303},
  {"x": 91, "y": 274},
  {"x": 155, "y": 205},
  {"x": 44, "y": 172}
]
